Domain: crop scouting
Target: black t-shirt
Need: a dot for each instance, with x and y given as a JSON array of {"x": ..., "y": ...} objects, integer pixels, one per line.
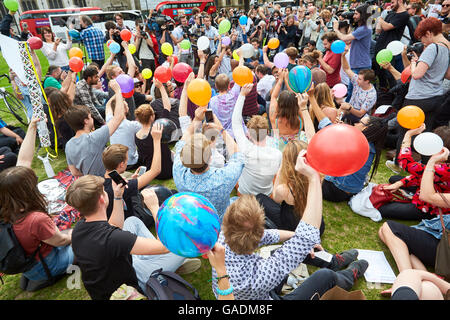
[
  {"x": 399, "y": 21},
  {"x": 102, "y": 252},
  {"x": 129, "y": 192}
]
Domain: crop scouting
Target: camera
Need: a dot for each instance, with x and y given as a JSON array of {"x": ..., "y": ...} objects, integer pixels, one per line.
[
  {"x": 348, "y": 15},
  {"x": 415, "y": 47}
]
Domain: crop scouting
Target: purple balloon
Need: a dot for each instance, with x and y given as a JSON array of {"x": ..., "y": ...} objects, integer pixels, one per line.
[
  {"x": 125, "y": 82},
  {"x": 281, "y": 60},
  {"x": 226, "y": 41}
]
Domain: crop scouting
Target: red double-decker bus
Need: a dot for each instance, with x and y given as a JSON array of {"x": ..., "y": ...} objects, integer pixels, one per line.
[
  {"x": 37, "y": 19},
  {"x": 180, "y": 8}
]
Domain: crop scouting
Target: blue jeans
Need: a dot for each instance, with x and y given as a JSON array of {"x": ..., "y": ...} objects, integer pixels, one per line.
[
  {"x": 57, "y": 261},
  {"x": 27, "y": 103},
  {"x": 144, "y": 265},
  {"x": 350, "y": 86}
]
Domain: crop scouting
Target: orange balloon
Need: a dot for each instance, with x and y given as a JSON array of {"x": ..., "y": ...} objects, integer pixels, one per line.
[
  {"x": 199, "y": 92},
  {"x": 242, "y": 75},
  {"x": 75, "y": 52},
  {"x": 273, "y": 43},
  {"x": 410, "y": 117}
]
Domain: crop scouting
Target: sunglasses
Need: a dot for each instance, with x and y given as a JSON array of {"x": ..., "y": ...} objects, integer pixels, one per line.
[{"x": 446, "y": 5}]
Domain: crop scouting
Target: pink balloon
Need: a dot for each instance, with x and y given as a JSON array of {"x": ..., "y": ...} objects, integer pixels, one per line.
[
  {"x": 340, "y": 90},
  {"x": 281, "y": 60},
  {"x": 226, "y": 41}
]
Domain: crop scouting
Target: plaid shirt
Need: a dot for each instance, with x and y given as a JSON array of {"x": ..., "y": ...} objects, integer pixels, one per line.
[
  {"x": 94, "y": 39},
  {"x": 85, "y": 97}
]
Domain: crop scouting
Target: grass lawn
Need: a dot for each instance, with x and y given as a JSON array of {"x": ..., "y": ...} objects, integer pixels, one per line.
[{"x": 344, "y": 230}]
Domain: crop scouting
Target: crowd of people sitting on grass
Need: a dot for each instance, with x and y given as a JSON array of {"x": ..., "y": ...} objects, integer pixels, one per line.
[{"x": 254, "y": 146}]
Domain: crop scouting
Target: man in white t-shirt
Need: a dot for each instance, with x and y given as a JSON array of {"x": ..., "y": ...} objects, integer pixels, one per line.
[{"x": 364, "y": 94}]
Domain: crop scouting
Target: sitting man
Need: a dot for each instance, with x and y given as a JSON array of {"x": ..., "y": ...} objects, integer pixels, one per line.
[
  {"x": 114, "y": 251},
  {"x": 84, "y": 94},
  {"x": 57, "y": 78},
  {"x": 253, "y": 277},
  {"x": 364, "y": 95},
  {"x": 115, "y": 157},
  {"x": 84, "y": 150},
  {"x": 191, "y": 170}
]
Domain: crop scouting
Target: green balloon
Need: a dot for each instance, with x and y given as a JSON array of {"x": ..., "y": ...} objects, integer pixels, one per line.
[
  {"x": 384, "y": 56},
  {"x": 224, "y": 26},
  {"x": 11, "y": 5},
  {"x": 185, "y": 44}
]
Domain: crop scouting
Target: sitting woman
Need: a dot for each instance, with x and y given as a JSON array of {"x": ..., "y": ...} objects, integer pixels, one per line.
[
  {"x": 324, "y": 99},
  {"x": 59, "y": 102},
  {"x": 287, "y": 115},
  {"x": 25, "y": 208},
  {"x": 418, "y": 208},
  {"x": 415, "y": 247},
  {"x": 338, "y": 189},
  {"x": 165, "y": 105}
]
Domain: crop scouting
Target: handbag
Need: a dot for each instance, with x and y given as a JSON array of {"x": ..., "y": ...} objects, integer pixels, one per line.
[
  {"x": 442, "y": 263},
  {"x": 380, "y": 196}
]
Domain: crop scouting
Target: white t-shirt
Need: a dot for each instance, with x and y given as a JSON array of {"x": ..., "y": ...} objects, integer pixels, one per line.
[
  {"x": 124, "y": 135},
  {"x": 265, "y": 84},
  {"x": 59, "y": 57}
]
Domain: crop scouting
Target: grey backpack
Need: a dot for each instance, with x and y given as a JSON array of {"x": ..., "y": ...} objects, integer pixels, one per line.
[{"x": 166, "y": 285}]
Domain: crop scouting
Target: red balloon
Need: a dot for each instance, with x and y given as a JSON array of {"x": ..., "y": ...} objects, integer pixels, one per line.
[
  {"x": 163, "y": 74},
  {"x": 338, "y": 150},
  {"x": 406, "y": 74},
  {"x": 128, "y": 94},
  {"x": 125, "y": 35},
  {"x": 76, "y": 64},
  {"x": 181, "y": 71},
  {"x": 175, "y": 59},
  {"x": 35, "y": 43}
]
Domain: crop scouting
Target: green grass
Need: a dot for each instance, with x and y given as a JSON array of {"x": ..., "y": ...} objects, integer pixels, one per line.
[{"x": 344, "y": 230}]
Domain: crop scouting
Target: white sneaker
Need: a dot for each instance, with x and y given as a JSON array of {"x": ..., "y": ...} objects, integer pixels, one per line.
[
  {"x": 391, "y": 165},
  {"x": 189, "y": 266}
]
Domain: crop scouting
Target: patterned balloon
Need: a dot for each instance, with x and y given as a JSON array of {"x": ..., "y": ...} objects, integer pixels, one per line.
[
  {"x": 188, "y": 224},
  {"x": 300, "y": 79}
]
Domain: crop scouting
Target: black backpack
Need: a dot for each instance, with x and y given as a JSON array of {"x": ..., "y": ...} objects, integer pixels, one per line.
[
  {"x": 13, "y": 259},
  {"x": 166, "y": 285}
]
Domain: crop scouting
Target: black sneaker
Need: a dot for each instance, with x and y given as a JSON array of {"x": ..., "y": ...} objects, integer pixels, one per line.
[
  {"x": 358, "y": 268},
  {"x": 343, "y": 259}
]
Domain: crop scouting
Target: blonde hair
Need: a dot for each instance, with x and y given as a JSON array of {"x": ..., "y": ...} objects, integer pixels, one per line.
[
  {"x": 322, "y": 92},
  {"x": 258, "y": 127},
  {"x": 296, "y": 182},
  {"x": 114, "y": 155},
  {"x": 243, "y": 225},
  {"x": 222, "y": 82},
  {"x": 84, "y": 194},
  {"x": 144, "y": 113}
]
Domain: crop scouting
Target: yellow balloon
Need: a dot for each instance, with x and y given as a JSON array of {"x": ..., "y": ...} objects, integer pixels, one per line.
[
  {"x": 132, "y": 48},
  {"x": 167, "y": 49},
  {"x": 199, "y": 92},
  {"x": 273, "y": 43},
  {"x": 235, "y": 55},
  {"x": 147, "y": 73}
]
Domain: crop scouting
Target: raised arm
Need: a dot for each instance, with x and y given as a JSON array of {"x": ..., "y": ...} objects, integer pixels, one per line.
[
  {"x": 119, "y": 112},
  {"x": 164, "y": 96},
  {"x": 345, "y": 65},
  {"x": 238, "y": 130},
  {"x": 106, "y": 64},
  {"x": 427, "y": 190},
  {"x": 26, "y": 152},
  {"x": 201, "y": 68},
  {"x": 130, "y": 61},
  {"x": 275, "y": 94},
  {"x": 303, "y": 110}
]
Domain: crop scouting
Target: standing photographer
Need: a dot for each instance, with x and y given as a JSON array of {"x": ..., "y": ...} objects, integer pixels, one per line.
[
  {"x": 113, "y": 33},
  {"x": 211, "y": 32},
  {"x": 360, "y": 42},
  {"x": 180, "y": 33},
  {"x": 325, "y": 24},
  {"x": 167, "y": 36},
  {"x": 287, "y": 33},
  {"x": 145, "y": 47}
]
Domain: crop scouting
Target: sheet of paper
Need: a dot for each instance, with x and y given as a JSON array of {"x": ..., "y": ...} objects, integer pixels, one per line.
[
  {"x": 10, "y": 52},
  {"x": 379, "y": 270},
  {"x": 382, "y": 109}
]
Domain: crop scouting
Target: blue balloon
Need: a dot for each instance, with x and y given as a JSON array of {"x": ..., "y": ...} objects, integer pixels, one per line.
[
  {"x": 74, "y": 34},
  {"x": 338, "y": 46},
  {"x": 243, "y": 20},
  {"x": 188, "y": 224},
  {"x": 300, "y": 79},
  {"x": 114, "y": 47}
]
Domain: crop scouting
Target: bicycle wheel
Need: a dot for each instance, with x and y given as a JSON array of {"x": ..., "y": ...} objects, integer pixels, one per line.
[{"x": 16, "y": 107}]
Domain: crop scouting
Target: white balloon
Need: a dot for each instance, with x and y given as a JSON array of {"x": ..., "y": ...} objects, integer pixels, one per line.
[
  {"x": 428, "y": 143},
  {"x": 396, "y": 47},
  {"x": 247, "y": 50},
  {"x": 203, "y": 43}
]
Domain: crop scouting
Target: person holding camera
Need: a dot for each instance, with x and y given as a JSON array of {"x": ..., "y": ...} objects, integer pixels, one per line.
[
  {"x": 180, "y": 33},
  {"x": 324, "y": 24},
  {"x": 145, "y": 45},
  {"x": 306, "y": 25},
  {"x": 360, "y": 40},
  {"x": 211, "y": 32},
  {"x": 167, "y": 36},
  {"x": 113, "y": 33},
  {"x": 287, "y": 33}
]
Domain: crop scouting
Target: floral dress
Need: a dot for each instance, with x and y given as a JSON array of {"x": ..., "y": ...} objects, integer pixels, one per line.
[{"x": 441, "y": 180}]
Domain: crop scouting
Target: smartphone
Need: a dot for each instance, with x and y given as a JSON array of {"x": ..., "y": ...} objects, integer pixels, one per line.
[
  {"x": 323, "y": 255},
  {"x": 209, "y": 116},
  {"x": 142, "y": 170},
  {"x": 117, "y": 178}
]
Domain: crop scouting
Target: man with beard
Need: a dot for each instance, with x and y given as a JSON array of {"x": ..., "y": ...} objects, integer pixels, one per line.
[
  {"x": 85, "y": 96},
  {"x": 390, "y": 29}
]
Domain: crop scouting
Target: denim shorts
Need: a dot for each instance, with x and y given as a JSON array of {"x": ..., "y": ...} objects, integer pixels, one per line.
[{"x": 57, "y": 261}]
